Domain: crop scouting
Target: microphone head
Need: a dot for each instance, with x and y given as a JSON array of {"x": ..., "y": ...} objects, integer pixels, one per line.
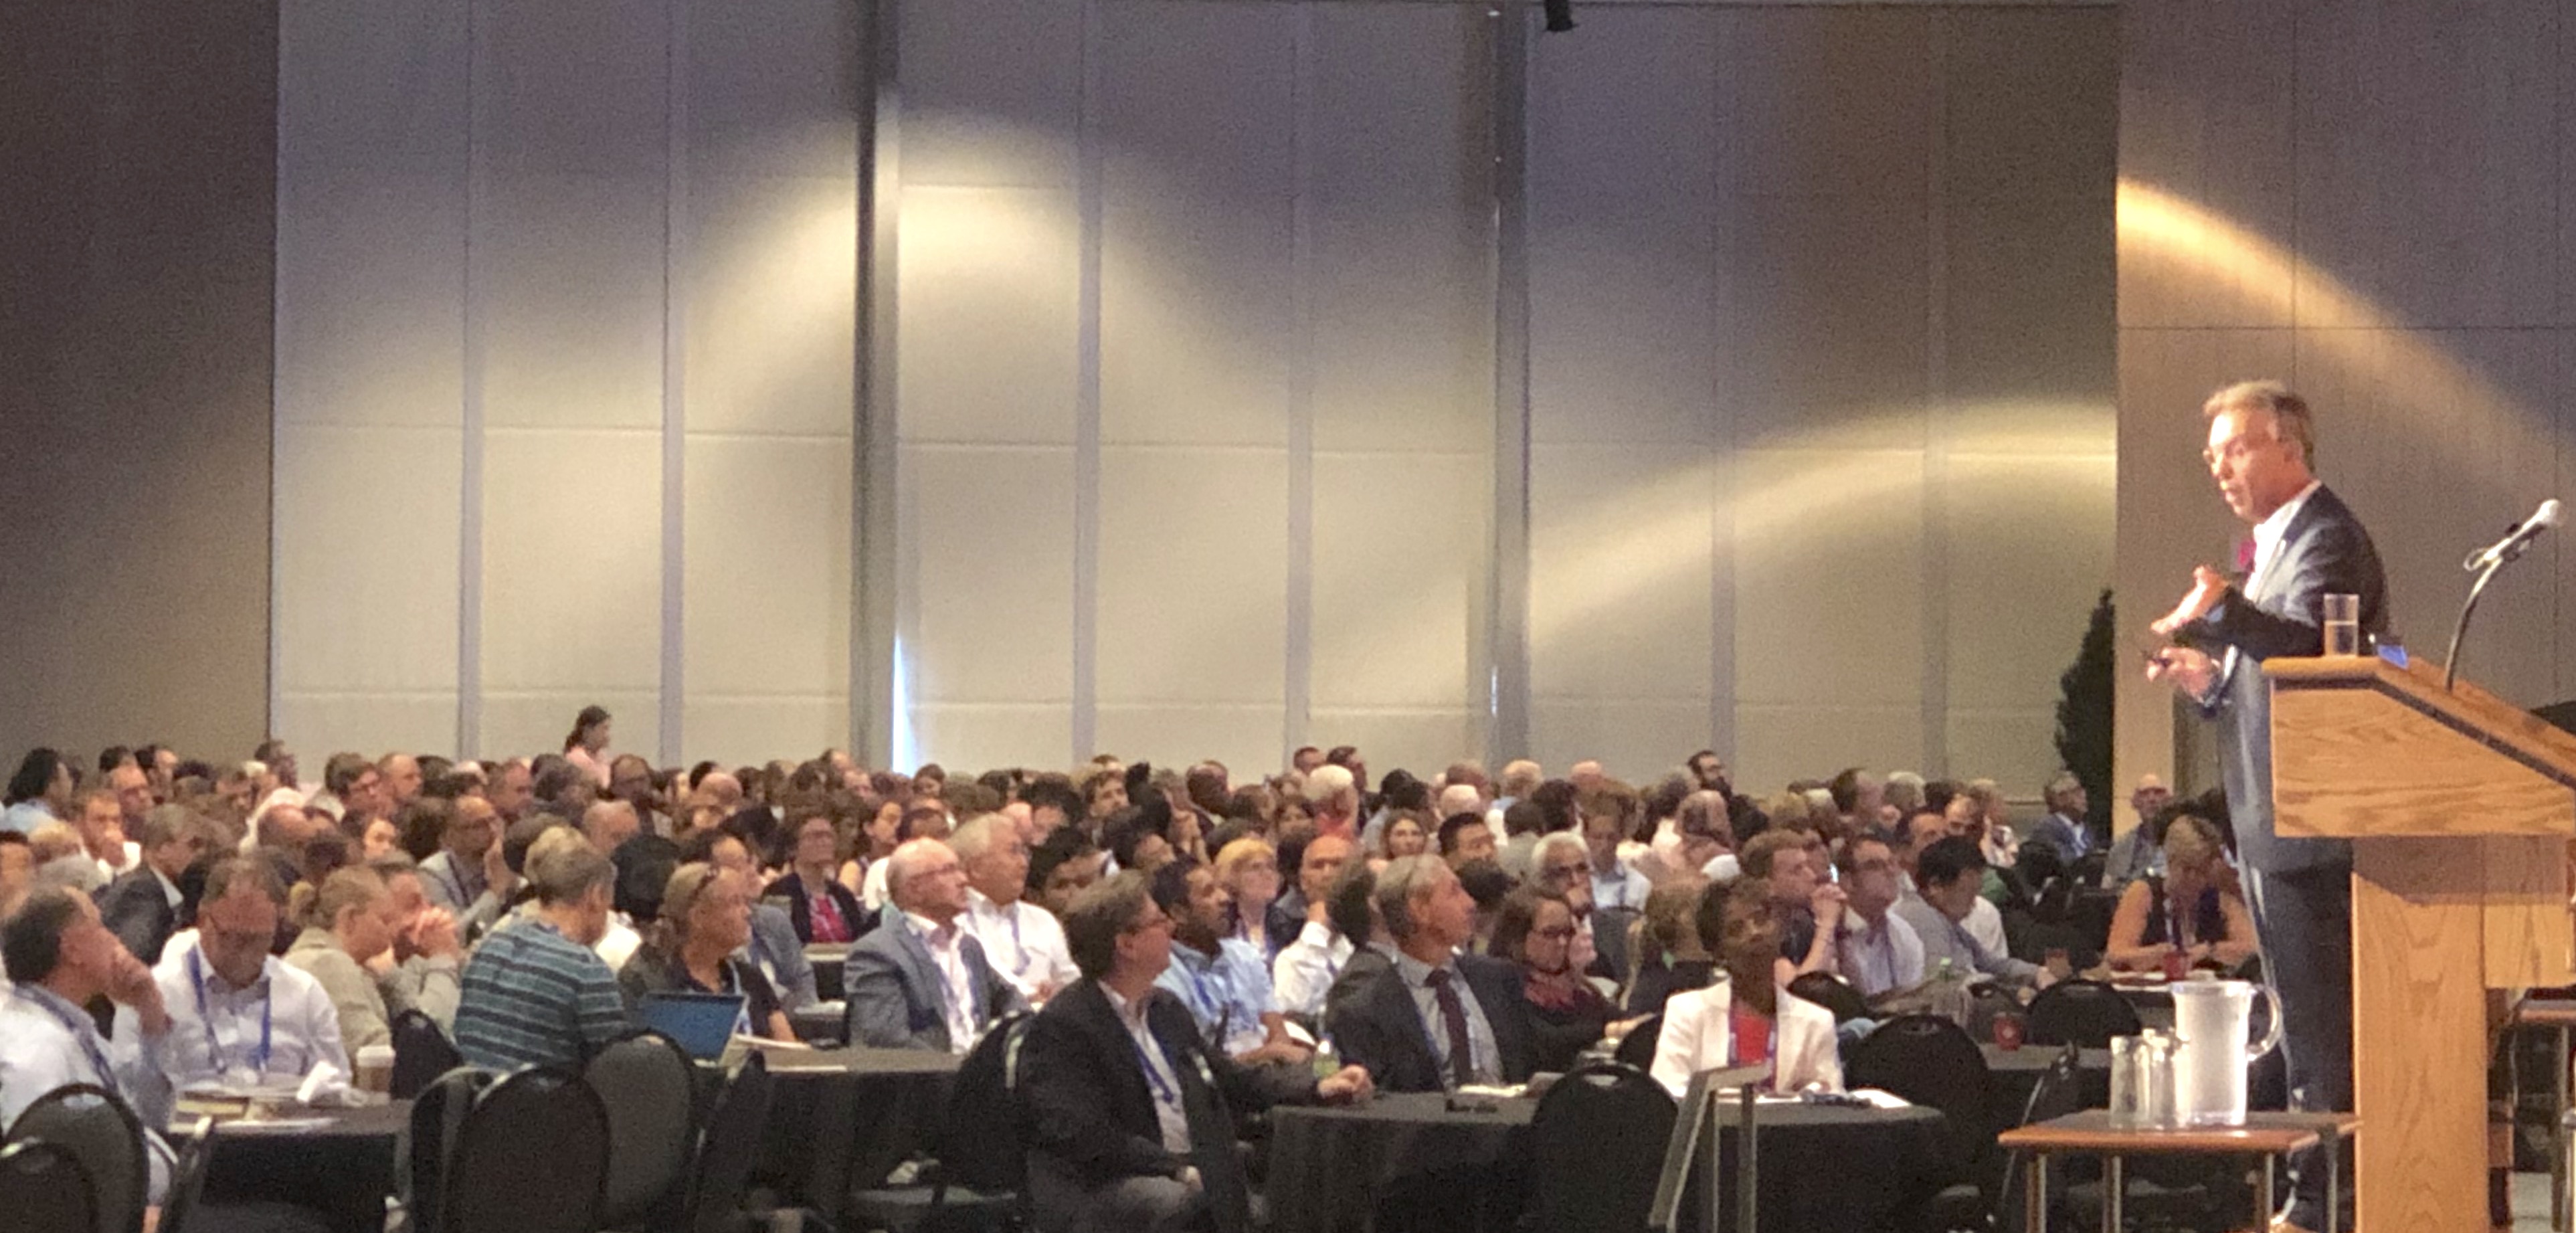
[{"x": 2546, "y": 515}]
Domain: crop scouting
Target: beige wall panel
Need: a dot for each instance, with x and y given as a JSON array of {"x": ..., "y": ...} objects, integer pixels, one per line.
[
  {"x": 2205, "y": 132},
  {"x": 988, "y": 282},
  {"x": 1823, "y": 318},
  {"x": 736, "y": 731},
  {"x": 980, "y": 735},
  {"x": 1399, "y": 540},
  {"x": 1621, "y": 319},
  {"x": 2170, "y": 517},
  {"x": 1426, "y": 384},
  {"x": 2028, "y": 354},
  {"x": 367, "y": 540},
  {"x": 1620, "y": 598},
  {"x": 318, "y": 724},
  {"x": 2026, "y": 111},
  {"x": 1601, "y": 148},
  {"x": 2427, "y": 140},
  {"x": 1177, "y": 734},
  {"x": 992, "y": 90},
  {"x": 370, "y": 287},
  {"x": 573, "y": 87},
  {"x": 1423, "y": 742},
  {"x": 1777, "y": 743},
  {"x": 775, "y": 89},
  {"x": 2016, "y": 749},
  {"x": 379, "y": 87},
  {"x": 572, "y": 271},
  {"x": 1193, "y": 569},
  {"x": 522, "y": 723},
  {"x": 993, "y": 533},
  {"x": 771, "y": 291},
  {"x": 1635, "y": 740},
  {"x": 2028, "y": 549},
  {"x": 2403, "y": 415},
  {"x": 572, "y": 557},
  {"x": 1826, "y": 100},
  {"x": 1805, "y": 632},
  {"x": 766, "y": 569}
]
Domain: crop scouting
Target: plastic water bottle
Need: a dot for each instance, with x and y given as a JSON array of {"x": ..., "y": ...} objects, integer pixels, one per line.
[
  {"x": 1950, "y": 993},
  {"x": 1327, "y": 1062}
]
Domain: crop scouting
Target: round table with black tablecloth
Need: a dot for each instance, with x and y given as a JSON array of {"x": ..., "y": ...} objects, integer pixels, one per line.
[
  {"x": 843, "y": 1118},
  {"x": 1408, "y": 1163},
  {"x": 336, "y": 1163}
]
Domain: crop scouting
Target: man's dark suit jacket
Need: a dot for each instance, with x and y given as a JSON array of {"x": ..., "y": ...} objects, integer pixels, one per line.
[
  {"x": 1377, "y": 1026},
  {"x": 2324, "y": 551},
  {"x": 138, "y": 912},
  {"x": 898, "y": 999},
  {"x": 1084, "y": 1097}
]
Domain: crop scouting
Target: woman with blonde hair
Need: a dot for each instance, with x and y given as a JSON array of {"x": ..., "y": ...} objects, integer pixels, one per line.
[
  {"x": 2193, "y": 910},
  {"x": 706, "y": 918},
  {"x": 348, "y": 927},
  {"x": 1248, "y": 868}
]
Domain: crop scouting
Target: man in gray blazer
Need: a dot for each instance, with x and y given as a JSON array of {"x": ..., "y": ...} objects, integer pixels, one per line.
[
  {"x": 2307, "y": 545},
  {"x": 919, "y": 979}
]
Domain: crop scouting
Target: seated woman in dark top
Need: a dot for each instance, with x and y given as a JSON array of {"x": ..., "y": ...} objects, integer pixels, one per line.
[
  {"x": 1669, "y": 956},
  {"x": 822, "y": 908},
  {"x": 2194, "y": 908},
  {"x": 1536, "y": 930},
  {"x": 706, "y": 917}
]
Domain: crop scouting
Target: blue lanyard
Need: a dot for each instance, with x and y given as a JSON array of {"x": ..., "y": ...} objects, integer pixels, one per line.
[
  {"x": 1163, "y": 1092},
  {"x": 84, "y": 1034},
  {"x": 206, "y": 1017}
]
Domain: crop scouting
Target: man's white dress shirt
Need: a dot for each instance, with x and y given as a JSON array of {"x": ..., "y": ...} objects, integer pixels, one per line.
[
  {"x": 1306, "y": 968},
  {"x": 278, "y": 1027},
  {"x": 948, "y": 953},
  {"x": 1023, "y": 942}
]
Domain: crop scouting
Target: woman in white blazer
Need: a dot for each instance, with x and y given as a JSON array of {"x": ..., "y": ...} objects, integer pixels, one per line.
[{"x": 1735, "y": 923}]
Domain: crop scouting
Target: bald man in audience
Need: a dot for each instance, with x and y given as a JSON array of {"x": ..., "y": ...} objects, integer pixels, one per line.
[
  {"x": 609, "y": 824},
  {"x": 920, "y": 980},
  {"x": 467, "y": 875}
]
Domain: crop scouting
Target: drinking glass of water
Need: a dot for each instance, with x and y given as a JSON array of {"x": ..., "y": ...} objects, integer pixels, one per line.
[{"x": 2343, "y": 624}]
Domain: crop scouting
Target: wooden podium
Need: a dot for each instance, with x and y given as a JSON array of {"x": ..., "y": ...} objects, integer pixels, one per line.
[{"x": 2460, "y": 807}]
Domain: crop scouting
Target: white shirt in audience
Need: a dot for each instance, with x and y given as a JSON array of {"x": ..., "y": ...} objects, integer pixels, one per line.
[
  {"x": 277, "y": 1028},
  {"x": 1985, "y": 923},
  {"x": 872, "y": 888},
  {"x": 1881, "y": 957},
  {"x": 1698, "y": 1035},
  {"x": 1305, "y": 969},
  {"x": 46, "y": 1043},
  {"x": 1023, "y": 942},
  {"x": 116, "y": 869},
  {"x": 948, "y": 952}
]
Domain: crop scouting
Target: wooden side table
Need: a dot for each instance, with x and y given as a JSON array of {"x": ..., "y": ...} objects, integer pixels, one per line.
[{"x": 2094, "y": 1132}]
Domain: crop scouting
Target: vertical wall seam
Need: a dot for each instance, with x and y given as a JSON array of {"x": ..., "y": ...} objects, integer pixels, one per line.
[
  {"x": 469, "y": 560},
  {"x": 1722, "y": 435},
  {"x": 1508, "y": 600},
  {"x": 674, "y": 382},
  {"x": 875, "y": 531},
  {"x": 276, "y": 363},
  {"x": 1298, "y": 685},
  {"x": 1936, "y": 411},
  {"x": 1086, "y": 410}
]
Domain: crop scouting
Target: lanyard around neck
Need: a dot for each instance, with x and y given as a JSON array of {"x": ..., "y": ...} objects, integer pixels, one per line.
[
  {"x": 206, "y": 1017},
  {"x": 84, "y": 1034}
]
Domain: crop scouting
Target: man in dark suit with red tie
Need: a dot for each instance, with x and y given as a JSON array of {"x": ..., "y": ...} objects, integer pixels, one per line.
[
  {"x": 2307, "y": 545},
  {"x": 1435, "y": 1019}
]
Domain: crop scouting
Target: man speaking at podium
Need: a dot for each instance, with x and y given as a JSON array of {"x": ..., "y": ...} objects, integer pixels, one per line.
[{"x": 2307, "y": 545}]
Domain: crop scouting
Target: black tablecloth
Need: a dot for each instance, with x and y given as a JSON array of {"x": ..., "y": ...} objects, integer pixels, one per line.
[
  {"x": 341, "y": 1169},
  {"x": 1407, "y": 1162},
  {"x": 841, "y": 1118}
]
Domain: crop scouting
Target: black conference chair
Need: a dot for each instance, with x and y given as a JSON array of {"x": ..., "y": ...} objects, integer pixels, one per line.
[
  {"x": 1637, "y": 1048},
  {"x": 2060, "y": 1091},
  {"x": 495, "y": 1183},
  {"x": 421, "y": 1053},
  {"x": 45, "y": 1190},
  {"x": 2081, "y": 1012},
  {"x": 1586, "y": 1138},
  {"x": 978, "y": 1171},
  {"x": 648, "y": 1085},
  {"x": 102, "y": 1132},
  {"x": 1827, "y": 990},
  {"x": 437, "y": 1113},
  {"x": 1930, "y": 1061},
  {"x": 729, "y": 1150}
]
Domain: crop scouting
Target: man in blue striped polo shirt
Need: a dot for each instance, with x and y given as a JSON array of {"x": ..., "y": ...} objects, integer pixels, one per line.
[{"x": 535, "y": 994}]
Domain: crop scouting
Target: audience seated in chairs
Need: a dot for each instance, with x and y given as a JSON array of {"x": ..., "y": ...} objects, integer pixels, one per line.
[
  {"x": 428, "y": 955},
  {"x": 705, "y": 923},
  {"x": 1128, "y": 1116},
  {"x": 142, "y": 905},
  {"x": 1881, "y": 953},
  {"x": 1948, "y": 875},
  {"x": 2193, "y": 909},
  {"x": 535, "y": 993},
  {"x": 1221, "y": 981},
  {"x": 1537, "y": 932},
  {"x": 920, "y": 979},
  {"x": 59, "y": 957},
  {"x": 1747, "y": 1018},
  {"x": 1307, "y": 964},
  {"x": 821, "y": 908},
  {"x": 237, "y": 1013},
  {"x": 349, "y": 925},
  {"x": 1807, "y": 909},
  {"x": 1021, "y": 940},
  {"x": 1435, "y": 1019},
  {"x": 773, "y": 949}
]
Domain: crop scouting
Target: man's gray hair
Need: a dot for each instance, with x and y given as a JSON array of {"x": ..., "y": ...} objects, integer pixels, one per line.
[
  {"x": 1553, "y": 840},
  {"x": 565, "y": 872},
  {"x": 977, "y": 837},
  {"x": 167, "y": 822},
  {"x": 2060, "y": 784},
  {"x": 1327, "y": 782},
  {"x": 1402, "y": 878}
]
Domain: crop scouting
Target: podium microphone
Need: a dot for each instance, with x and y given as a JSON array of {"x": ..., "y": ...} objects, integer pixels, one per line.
[
  {"x": 2484, "y": 563},
  {"x": 2516, "y": 540}
]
